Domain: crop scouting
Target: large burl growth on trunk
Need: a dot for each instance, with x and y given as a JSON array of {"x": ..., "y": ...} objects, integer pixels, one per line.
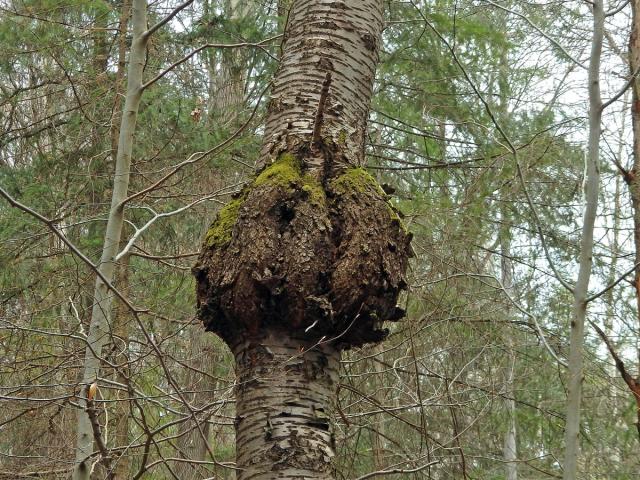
[{"x": 320, "y": 258}]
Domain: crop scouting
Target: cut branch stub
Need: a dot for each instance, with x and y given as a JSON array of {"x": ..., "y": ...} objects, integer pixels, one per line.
[{"x": 315, "y": 259}]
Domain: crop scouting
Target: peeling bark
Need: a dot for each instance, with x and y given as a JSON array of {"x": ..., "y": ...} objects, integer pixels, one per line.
[
  {"x": 325, "y": 36},
  {"x": 284, "y": 398}
]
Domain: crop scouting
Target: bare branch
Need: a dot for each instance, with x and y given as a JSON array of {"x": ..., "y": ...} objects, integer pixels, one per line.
[{"x": 166, "y": 19}]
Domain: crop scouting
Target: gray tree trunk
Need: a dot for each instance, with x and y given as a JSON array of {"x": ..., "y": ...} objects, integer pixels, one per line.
[
  {"x": 99, "y": 324},
  {"x": 509, "y": 450},
  {"x": 229, "y": 96},
  {"x": 276, "y": 274},
  {"x": 195, "y": 431},
  {"x": 591, "y": 184},
  {"x": 227, "y": 79}
]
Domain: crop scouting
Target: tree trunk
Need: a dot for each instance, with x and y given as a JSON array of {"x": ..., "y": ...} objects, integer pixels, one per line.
[
  {"x": 591, "y": 184},
  {"x": 633, "y": 179},
  {"x": 377, "y": 420},
  {"x": 276, "y": 273},
  {"x": 195, "y": 431},
  {"x": 229, "y": 96},
  {"x": 509, "y": 450},
  {"x": 284, "y": 398},
  {"x": 121, "y": 408},
  {"x": 99, "y": 325}
]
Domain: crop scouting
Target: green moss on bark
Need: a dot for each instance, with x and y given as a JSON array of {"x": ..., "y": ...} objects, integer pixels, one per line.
[
  {"x": 314, "y": 190},
  {"x": 286, "y": 173},
  {"x": 220, "y": 231},
  {"x": 359, "y": 180},
  {"x": 355, "y": 180}
]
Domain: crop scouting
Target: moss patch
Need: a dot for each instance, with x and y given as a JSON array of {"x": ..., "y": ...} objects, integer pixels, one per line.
[
  {"x": 286, "y": 173},
  {"x": 395, "y": 218},
  {"x": 342, "y": 137},
  {"x": 314, "y": 190},
  {"x": 356, "y": 180},
  {"x": 359, "y": 180},
  {"x": 219, "y": 234}
]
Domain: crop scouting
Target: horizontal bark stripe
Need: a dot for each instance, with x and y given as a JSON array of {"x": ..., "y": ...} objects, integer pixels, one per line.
[{"x": 284, "y": 397}]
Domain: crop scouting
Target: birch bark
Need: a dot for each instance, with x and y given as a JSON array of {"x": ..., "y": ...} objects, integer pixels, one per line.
[
  {"x": 284, "y": 399},
  {"x": 325, "y": 36},
  {"x": 276, "y": 273}
]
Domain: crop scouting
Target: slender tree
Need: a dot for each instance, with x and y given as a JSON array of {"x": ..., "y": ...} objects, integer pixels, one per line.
[
  {"x": 99, "y": 325},
  {"x": 309, "y": 258},
  {"x": 580, "y": 290},
  {"x": 632, "y": 179}
]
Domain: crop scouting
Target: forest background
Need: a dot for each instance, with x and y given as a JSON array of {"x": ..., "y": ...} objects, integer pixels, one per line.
[{"x": 479, "y": 121}]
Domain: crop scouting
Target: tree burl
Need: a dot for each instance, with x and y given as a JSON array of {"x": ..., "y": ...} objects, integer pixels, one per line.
[{"x": 321, "y": 258}]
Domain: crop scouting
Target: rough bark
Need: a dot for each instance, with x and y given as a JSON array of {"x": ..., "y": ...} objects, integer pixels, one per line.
[
  {"x": 99, "y": 326},
  {"x": 310, "y": 257},
  {"x": 579, "y": 312},
  {"x": 309, "y": 219},
  {"x": 289, "y": 259}
]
